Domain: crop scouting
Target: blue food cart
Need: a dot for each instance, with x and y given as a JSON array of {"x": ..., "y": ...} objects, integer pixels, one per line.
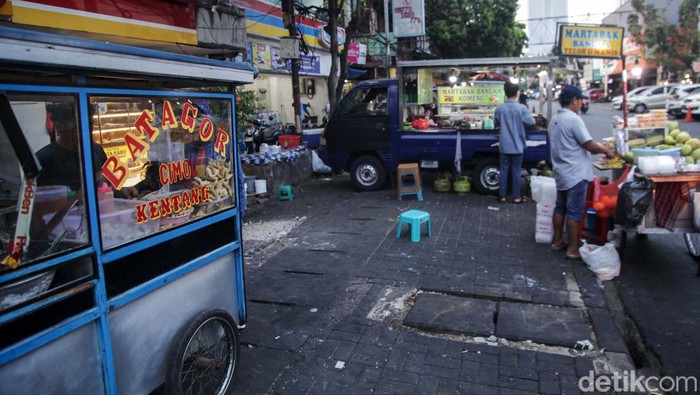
[{"x": 120, "y": 225}]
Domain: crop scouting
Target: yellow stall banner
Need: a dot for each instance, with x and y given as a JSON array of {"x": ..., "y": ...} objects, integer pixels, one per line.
[
  {"x": 591, "y": 41},
  {"x": 492, "y": 94}
]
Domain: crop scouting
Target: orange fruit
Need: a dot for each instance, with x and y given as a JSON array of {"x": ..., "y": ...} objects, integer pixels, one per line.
[
  {"x": 605, "y": 199},
  {"x": 598, "y": 206}
]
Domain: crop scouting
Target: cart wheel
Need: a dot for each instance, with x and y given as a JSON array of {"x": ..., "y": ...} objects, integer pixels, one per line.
[{"x": 204, "y": 356}]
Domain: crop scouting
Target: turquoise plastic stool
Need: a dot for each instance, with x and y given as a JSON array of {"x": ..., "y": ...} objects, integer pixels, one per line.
[
  {"x": 284, "y": 192},
  {"x": 414, "y": 218}
]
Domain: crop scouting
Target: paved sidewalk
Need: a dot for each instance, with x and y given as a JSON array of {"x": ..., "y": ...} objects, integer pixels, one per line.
[{"x": 341, "y": 305}]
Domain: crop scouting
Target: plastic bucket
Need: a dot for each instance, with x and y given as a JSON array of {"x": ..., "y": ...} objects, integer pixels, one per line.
[{"x": 260, "y": 186}]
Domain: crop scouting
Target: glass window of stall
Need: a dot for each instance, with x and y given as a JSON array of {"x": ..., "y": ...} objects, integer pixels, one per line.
[
  {"x": 44, "y": 217},
  {"x": 168, "y": 162}
]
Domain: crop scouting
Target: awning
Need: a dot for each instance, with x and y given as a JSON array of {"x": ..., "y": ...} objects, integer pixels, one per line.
[{"x": 355, "y": 72}]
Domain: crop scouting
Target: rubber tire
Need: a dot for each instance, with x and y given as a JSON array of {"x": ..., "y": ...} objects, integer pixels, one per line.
[
  {"x": 186, "y": 335},
  {"x": 584, "y": 111},
  {"x": 640, "y": 108},
  {"x": 486, "y": 176},
  {"x": 367, "y": 173}
]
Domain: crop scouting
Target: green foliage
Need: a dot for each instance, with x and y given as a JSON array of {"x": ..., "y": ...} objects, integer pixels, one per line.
[
  {"x": 474, "y": 28},
  {"x": 247, "y": 105},
  {"x": 675, "y": 47}
]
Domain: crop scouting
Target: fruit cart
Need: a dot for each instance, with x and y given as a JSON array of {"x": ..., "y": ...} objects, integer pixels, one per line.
[{"x": 120, "y": 227}]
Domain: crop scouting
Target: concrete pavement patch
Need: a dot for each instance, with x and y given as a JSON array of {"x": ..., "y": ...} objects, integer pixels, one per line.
[
  {"x": 550, "y": 325},
  {"x": 449, "y": 313}
]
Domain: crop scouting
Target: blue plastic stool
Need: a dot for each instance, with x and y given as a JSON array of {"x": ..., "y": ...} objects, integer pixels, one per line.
[
  {"x": 414, "y": 218},
  {"x": 284, "y": 192}
]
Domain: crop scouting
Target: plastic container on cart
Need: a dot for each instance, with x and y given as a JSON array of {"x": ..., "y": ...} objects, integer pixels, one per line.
[
  {"x": 290, "y": 141},
  {"x": 118, "y": 222},
  {"x": 21, "y": 290},
  {"x": 674, "y": 152}
]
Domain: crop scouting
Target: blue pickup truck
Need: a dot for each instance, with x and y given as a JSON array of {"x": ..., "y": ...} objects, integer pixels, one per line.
[{"x": 368, "y": 134}]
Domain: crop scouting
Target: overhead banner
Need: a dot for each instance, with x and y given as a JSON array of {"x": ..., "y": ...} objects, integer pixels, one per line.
[
  {"x": 591, "y": 41},
  {"x": 491, "y": 94},
  {"x": 409, "y": 18}
]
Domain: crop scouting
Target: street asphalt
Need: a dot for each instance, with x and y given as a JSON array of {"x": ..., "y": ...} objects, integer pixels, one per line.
[{"x": 341, "y": 305}]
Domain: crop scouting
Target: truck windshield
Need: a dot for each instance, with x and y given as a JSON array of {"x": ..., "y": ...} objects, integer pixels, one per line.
[{"x": 370, "y": 101}]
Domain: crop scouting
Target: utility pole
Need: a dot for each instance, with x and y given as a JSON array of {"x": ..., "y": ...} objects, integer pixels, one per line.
[{"x": 290, "y": 24}]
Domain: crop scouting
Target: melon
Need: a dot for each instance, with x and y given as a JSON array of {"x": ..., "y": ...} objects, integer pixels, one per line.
[
  {"x": 696, "y": 154},
  {"x": 674, "y": 133},
  {"x": 669, "y": 140},
  {"x": 672, "y": 125},
  {"x": 686, "y": 149},
  {"x": 629, "y": 157},
  {"x": 694, "y": 142},
  {"x": 682, "y": 137},
  {"x": 689, "y": 160}
]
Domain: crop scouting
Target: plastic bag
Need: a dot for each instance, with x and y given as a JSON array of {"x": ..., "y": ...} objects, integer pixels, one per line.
[
  {"x": 544, "y": 189},
  {"x": 602, "y": 260},
  {"x": 544, "y": 230},
  {"x": 633, "y": 202},
  {"x": 317, "y": 164}
]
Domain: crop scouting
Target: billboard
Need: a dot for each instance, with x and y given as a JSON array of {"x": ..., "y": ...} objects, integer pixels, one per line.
[
  {"x": 590, "y": 41},
  {"x": 409, "y": 18}
]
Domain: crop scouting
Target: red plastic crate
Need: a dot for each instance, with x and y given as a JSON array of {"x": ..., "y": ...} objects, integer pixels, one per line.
[{"x": 289, "y": 141}]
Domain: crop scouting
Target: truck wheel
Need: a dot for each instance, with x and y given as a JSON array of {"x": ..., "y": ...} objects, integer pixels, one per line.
[
  {"x": 204, "y": 356},
  {"x": 486, "y": 177},
  {"x": 367, "y": 173}
]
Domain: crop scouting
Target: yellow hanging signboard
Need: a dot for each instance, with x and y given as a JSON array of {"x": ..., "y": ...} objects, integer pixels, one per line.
[{"x": 591, "y": 41}]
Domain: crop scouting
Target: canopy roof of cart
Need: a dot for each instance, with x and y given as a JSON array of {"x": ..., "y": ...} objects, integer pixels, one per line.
[
  {"x": 478, "y": 69},
  {"x": 480, "y": 62},
  {"x": 24, "y": 52}
]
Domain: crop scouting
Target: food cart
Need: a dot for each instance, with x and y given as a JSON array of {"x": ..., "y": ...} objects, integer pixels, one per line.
[{"x": 120, "y": 226}]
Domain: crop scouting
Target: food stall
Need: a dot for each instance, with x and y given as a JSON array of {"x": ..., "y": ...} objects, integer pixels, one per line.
[
  {"x": 665, "y": 167},
  {"x": 120, "y": 228}
]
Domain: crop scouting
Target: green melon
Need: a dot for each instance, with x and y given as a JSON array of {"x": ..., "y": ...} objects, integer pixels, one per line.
[
  {"x": 682, "y": 137},
  {"x": 686, "y": 149},
  {"x": 669, "y": 140},
  {"x": 689, "y": 160},
  {"x": 674, "y": 133},
  {"x": 672, "y": 125},
  {"x": 694, "y": 142},
  {"x": 696, "y": 154}
]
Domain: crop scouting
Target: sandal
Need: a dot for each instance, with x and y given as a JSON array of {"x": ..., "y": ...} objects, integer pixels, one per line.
[
  {"x": 501, "y": 200},
  {"x": 573, "y": 257},
  {"x": 561, "y": 247},
  {"x": 520, "y": 200}
]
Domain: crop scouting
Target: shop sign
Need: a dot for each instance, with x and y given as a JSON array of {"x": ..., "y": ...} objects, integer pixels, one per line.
[
  {"x": 262, "y": 59},
  {"x": 591, "y": 41},
  {"x": 308, "y": 64},
  {"x": 116, "y": 170},
  {"x": 409, "y": 18},
  {"x": 325, "y": 38},
  {"x": 278, "y": 63},
  {"x": 357, "y": 53},
  {"x": 491, "y": 94}
]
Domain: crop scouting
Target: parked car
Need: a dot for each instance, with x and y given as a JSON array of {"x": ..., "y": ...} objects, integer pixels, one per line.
[
  {"x": 653, "y": 98},
  {"x": 676, "y": 97},
  {"x": 692, "y": 101},
  {"x": 617, "y": 100},
  {"x": 595, "y": 94}
]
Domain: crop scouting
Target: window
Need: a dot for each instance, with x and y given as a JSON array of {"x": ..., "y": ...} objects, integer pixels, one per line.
[
  {"x": 168, "y": 162},
  {"x": 46, "y": 217},
  {"x": 365, "y": 102}
]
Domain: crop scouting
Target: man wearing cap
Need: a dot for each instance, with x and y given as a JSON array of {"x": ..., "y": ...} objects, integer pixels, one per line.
[{"x": 571, "y": 147}]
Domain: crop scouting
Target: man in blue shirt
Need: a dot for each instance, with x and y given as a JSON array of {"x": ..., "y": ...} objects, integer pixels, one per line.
[
  {"x": 571, "y": 147},
  {"x": 512, "y": 118}
]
